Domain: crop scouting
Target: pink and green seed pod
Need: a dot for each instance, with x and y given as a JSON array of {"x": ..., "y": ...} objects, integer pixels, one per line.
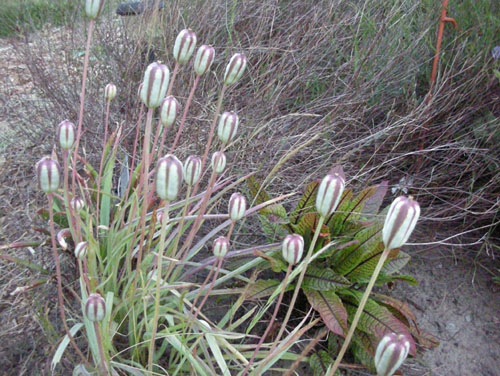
[
  {"x": 235, "y": 69},
  {"x": 48, "y": 173},
  {"x": 329, "y": 193},
  {"x": 400, "y": 222},
  {"x": 66, "y": 134},
  {"x": 237, "y": 207},
  {"x": 221, "y": 247},
  {"x": 391, "y": 352},
  {"x": 228, "y": 127},
  {"x": 293, "y": 248},
  {"x": 192, "y": 170},
  {"x": 93, "y": 8},
  {"x": 169, "y": 177},
  {"x": 95, "y": 308},
  {"x": 168, "y": 111},
  {"x": 218, "y": 162},
  {"x": 154, "y": 85},
  {"x": 203, "y": 59},
  {"x": 184, "y": 46}
]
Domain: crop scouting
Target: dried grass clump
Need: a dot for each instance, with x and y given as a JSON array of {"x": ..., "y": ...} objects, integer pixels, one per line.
[{"x": 342, "y": 80}]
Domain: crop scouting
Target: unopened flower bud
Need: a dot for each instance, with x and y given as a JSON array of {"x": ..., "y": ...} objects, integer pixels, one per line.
[
  {"x": 293, "y": 248},
  {"x": 61, "y": 238},
  {"x": 203, "y": 59},
  {"x": 81, "y": 250},
  {"x": 235, "y": 69},
  {"x": 48, "y": 173},
  {"x": 184, "y": 46},
  {"x": 228, "y": 126},
  {"x": 93, "y": 8},
  {"x": 168, "y": 111},
  {"x": 66, "y": 134},
  {"x": 329, "y": 193},
  {"x": 221, "y": 247},
  {"x": 168, "y": 177},
  {"x": 391, "y": 353},
  {"x": 110, "y": 92},
  {"x": 400, "y": 222},
  {"x": 77, "y": 203},
  {"x": 237, "y": 206},
  {"x": 95, "y": 308},
  {"x": 192, "y": 170},
  {"x": 218, "y": 162},
  {"x": 155, "y": 85}
]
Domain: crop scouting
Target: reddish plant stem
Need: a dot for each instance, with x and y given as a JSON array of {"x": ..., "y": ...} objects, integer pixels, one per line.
[{"x": 60, "y": 295}]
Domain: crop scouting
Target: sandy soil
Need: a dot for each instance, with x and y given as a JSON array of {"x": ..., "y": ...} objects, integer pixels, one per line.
[{"x": 456, "y": 301}]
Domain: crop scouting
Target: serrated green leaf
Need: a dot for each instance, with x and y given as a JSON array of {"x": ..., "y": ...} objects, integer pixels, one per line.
[
  {"x": 319, "y": 362},
  {"x": 272, "y": 227},
  {"x": 330, "y": 308},
  {"x": 368, "y": 244},
  {"x": 306, "y": 203},
  {"x": 396, "y": 264},
  {"x": 307, "y": 225},
  {"x": 255, "y": 187},
  {"x": 261, "y": 289},
  {"x": 363, "y": 348},
  {"x": 336, "y": 222},
  {"x": 375, "y": 320},
  {"x": 324, "y": 279}
]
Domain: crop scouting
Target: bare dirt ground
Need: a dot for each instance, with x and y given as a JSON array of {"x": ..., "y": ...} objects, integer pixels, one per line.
[{"x": 456, "y": 301}]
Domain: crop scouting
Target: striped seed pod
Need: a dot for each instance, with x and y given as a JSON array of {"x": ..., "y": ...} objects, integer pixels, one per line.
[
  {"x": 168, "y": 177},
  {"x": 218, "y": 162},
  {"x": 293, "y": 248},
  {"x": 110, "y": 92},
  {"x": 184, "y": 46},
  {"x": 203, "y": 59},
  {"x": 95, "y": 308},
  {"x": 48, "y": 173},
  {"x": 237, "y": 207},
  {"x": 66, "y": 134},
  {"x": 235, "y": 69},
  {"x": 228, "y": 126},
  {"x": 221, "y": 247},
  {"x": 400, "y": 221},
  {"x": 391, "y": 352},
  {"x": 192, "y": 170},
  {"x": 329, "y": 193},
  {"x": 168, "y": 111},
  {"x": 154, "y": 85},
  {"x": 93, "y": 8}
]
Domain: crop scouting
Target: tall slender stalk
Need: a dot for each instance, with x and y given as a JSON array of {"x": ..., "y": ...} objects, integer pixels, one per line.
[
  {"x": 300, "y": 280},
  {"x": 60, "y": 295},
  {"x": 359, "y": 312},
  {"x": 271, "y": 323}
]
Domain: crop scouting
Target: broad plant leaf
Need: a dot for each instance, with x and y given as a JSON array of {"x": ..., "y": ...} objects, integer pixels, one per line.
[
  {"x": 306, "y": 203},
  {"x": 363, "y": 347},
  {"x": 369, "y": 243},
  {"x": 397, "y": 263},
  {"x": 331, "y": 309},
  {"x": 261, "y": 288},
  {"x": 277, "y": 263},
  {"x": 319, "y": 362},
  {"x": 256, "y": 191},
  {"x": 324, "y": 279},
  {"x": 375, "y": 320}
]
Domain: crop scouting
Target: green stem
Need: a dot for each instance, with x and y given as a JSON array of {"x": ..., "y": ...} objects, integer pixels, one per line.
[
  {"x": 359, "y": 312},
  {"x": 300, "y": 280},
  {"x": 158, "y": 286},
  {"x": 273, "y": 318}
]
